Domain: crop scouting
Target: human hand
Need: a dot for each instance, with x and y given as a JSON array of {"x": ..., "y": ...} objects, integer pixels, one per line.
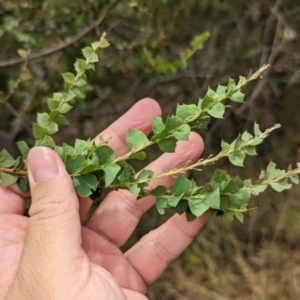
[{"x": 51, "y": 255}]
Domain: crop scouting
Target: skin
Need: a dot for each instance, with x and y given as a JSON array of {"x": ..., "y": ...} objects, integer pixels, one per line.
[{"x": 52, "y": 255}]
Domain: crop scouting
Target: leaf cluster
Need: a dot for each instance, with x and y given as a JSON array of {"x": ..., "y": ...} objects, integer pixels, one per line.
[{"x": 94, "y": 167}]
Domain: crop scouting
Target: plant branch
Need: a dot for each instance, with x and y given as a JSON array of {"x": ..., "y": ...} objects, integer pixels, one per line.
[{"x": 46, "y": 52}]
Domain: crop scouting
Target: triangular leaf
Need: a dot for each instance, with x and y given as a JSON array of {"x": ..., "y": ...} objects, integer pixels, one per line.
[
  {"x": 167, "y": 145},
  {"x": 183, "y": 133},
  {"x": 212, "y": 200},
  {"x": 6, "y": 160},
  {"x": 217, "y": 111},
  {"x": 181, "y": 185},
  {"x": 85, "y": 184},
  {"x": 237, "y": 158},
  {"x": 75, "y": 164},
  {"x": 111, "y": 172},
  {"x": 136, "y": 139},
  {"x": 7, "y": 179},
  {"x": 198, "y": 207}
]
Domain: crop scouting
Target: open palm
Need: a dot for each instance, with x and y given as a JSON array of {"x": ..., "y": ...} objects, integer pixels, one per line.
[{"x": 53, "y": 256}]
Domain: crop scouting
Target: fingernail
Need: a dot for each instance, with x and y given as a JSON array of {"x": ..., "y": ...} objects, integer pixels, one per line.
[{"x": 42, "y": 164}]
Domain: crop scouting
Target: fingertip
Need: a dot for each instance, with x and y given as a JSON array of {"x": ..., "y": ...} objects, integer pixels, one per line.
[
  {"x": 192, "y": 148},
  {"x": 149, "y": 104}
]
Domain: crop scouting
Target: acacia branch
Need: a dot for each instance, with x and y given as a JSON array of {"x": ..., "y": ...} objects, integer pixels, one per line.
[{"x": 49, "y": 51}]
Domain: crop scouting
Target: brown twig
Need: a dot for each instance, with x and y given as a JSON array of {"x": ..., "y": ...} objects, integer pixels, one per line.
[
  {"x": 45, "y": 52},
  {"x": 17, "y": 83}
]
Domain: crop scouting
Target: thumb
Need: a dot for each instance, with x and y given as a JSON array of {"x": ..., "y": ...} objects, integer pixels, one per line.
[{"x": 54, "y": 232}]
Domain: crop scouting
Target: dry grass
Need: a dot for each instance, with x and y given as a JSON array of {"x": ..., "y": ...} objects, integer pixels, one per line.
[{"x": 259, "y": 259}]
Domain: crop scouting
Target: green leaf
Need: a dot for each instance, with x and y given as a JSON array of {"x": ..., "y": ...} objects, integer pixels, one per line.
[
  {"x": 81, "y": 83},
  {"x": 127, "y": 174},
  {"x": 198, "y": 207},
  {"x": 174, "y": 200},
  {"x": 80, "y": 64},
  {"x": 88, "y": 52},
  {"x": 224, "y": 146},
  {"x": 271, "y": 170},
  {"x": 103, "y": 43},
  {"x": 246, "y": 136},
  {"x": 183, "y": 133},
  {"x": 47, "y": 141},
  {"x": 238, "y": 97},
  {"x": 134, "y": 189},
  {"x": 167, "y": 145},
  {"x": 68, "y": 77},
  {"x": 38, "y": 131},
  {"x": 23, "y": 148},
  {"x": 52, "y": 128},
  {"x": 229, "y": 215},
  {"x": 7, "y": 179},
  {"x": 81, "y": 146},
  {"x": 136, "y": 139},
  {"x": 239, "y": 216},
  {"x": 212, "y": 93},
  {"x": 53, "y": 104},
  {"x": 237, "y": 158},
  {"x": 186, "y": 111},
  {"x": 207, "y": 102},
  {"x": 257, "y": 131},
  {"x": 295, "y": 179},
  {"x": 70, "y": 96},
  {"x": 220, "y": 176},
  {"x": 161, "y": 205},
  {"x": 65, "y": 108},
  {"x": 159, "y": 191},
  {"x": 85, "y": 184},
  {"x": 144, "y": 174},
  {"x": 19, "y": 163},
  {"x": 217, "y": 111},
  {"x": 68, "y": 150},
  {"x": 198, "y": 40},
  {"x": 6, "y": 160},
  {"x": 256, "y": 141},
  {"x": 250, "y": 150},
  {"x": 212, "y": 200},
  {"x": 242, "y": 79},
  {"x": 258, "y": 189},
  {"x": 181, "y": 185},
  {"x": 281, "y": 185},
  {"x": 233, "y": 185},
  {"x": 139, "y": 155},
  {"x": 43, "y": 119},
  {"x": 61, "y": 120},
  {"x": 173, "y": 123},
  {"x": 181, "y": 207},
  {"x": 105, "y": 154},
  {"x": 23, "y": 53},
  {"x": 23, "y": 185},
  {"x": 75, "y": 164},
  {"x": 58, "y": 96},
  {"x": 111, "y": 172},
  {"x": 221, "y": 90},
  {"x": 159, "y": 135},
  {"x": 202, "y": 123},
  {"x": 157, "y": 124},
  {"x": 239, "y": 198},
  {"x": 87, "y": 169},
  {"x": 59, "y": 151}
]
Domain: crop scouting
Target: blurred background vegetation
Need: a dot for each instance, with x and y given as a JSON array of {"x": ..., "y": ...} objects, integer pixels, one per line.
[{"x": 150, "y": 57}]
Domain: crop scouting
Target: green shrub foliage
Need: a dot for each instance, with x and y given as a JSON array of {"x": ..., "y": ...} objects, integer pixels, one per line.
[{"x": 94, "y": 168}]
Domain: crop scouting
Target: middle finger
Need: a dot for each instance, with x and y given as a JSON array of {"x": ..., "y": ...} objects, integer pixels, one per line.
[{"x": 119, "y": 213}]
